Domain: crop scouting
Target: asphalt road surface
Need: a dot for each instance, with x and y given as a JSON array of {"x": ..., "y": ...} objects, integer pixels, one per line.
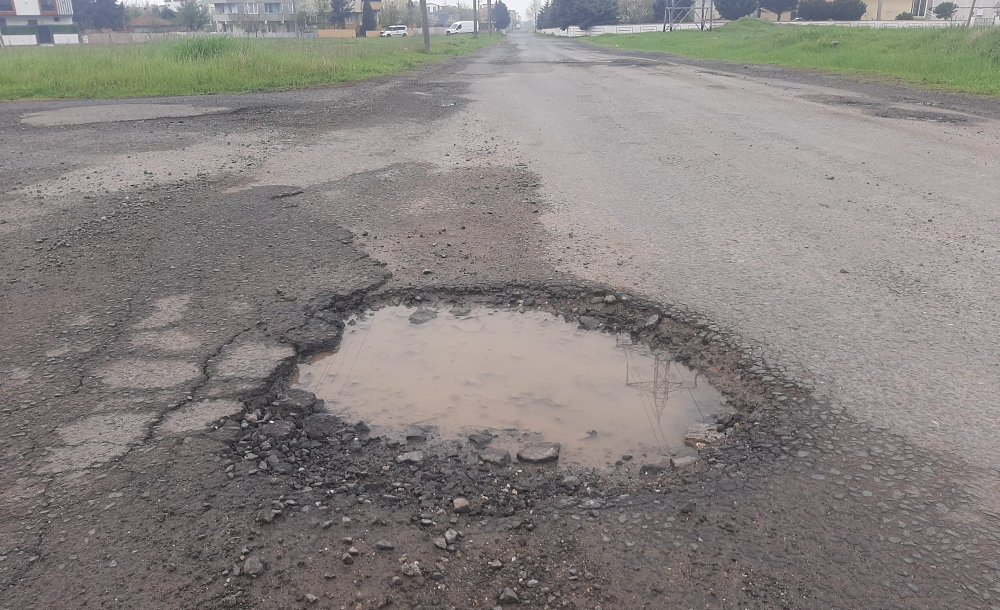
[
  {"x": 859, "y": 243},
  {"x": 162, "y": 262}
]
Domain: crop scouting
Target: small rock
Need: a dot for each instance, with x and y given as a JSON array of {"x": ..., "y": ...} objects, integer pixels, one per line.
[
  {"x": 384, "y": 545},
  {"x": 411, "y": 569},
  {"x": 279, "y": 430},
  {"x": 321, "y": 425},
  {"x": 654, "y": 467},
  {"x": 652, "y": 320},
  {"x": 268, "y": 515},
  {"x": 481, "y": 439},
  {"x": 508, "y": 596},
  {"x": 253, "y": 566},
  {"x": 422, "y": 315},
  {"x": 441, "y": 543},
  {"x": 461, "y": 505},
  {"x": 610, "y": 299},
  {"x": 590, "y": 322},
  {"x": 410, "y": 457},
  {"x": 539, "y": 453},
  {"x": 416, "y": 434},
  {"x": 702, "y": 435},
  {"x": 347, "y": 558},
  {"x": 682, "y": 461},
  {"x": 312, "y": 599},
  {"x": 497, "y": 457},
  {"x": 450, "y": 536}
]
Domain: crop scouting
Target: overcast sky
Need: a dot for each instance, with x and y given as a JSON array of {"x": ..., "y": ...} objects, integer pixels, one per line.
[{"x": 521, "y": 6}]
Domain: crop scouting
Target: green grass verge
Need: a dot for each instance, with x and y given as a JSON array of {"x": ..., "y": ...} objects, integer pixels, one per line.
[
  {"x": 213, "y": 65},
  {"x": 954, "y": 59}
]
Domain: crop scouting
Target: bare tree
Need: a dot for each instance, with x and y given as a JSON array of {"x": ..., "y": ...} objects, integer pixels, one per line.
[
  {"x": 534, "y": 7},
  {"x": 635, "y": 11},
  {"x": 393, "y": 12},
  {"x": 463, "y": 10}
]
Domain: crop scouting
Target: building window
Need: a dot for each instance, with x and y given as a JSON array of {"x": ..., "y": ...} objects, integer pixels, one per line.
[
  {"x": 7, "y": 6},
  {"x": 47, "y": 6},
  {"x": 272, "y": 8},
  {"x": 225, "y": 9},
  {"x": 251, "y": 8},
  {"x": 919, "y": 8},
  {"x": 349, "y": 19}
]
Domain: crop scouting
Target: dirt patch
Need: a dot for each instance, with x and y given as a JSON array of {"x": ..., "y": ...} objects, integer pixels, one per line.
[
  {"x": 199, "y": 415},
  {"x": 253, "y": 359},
  {"x": 149, "y": 373},
  {"x": 879, "y": 108},
  {"x": 167, "y": 341}
]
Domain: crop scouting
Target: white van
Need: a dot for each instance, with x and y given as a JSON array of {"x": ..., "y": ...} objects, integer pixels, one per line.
[{"x": 461, "y": 27}]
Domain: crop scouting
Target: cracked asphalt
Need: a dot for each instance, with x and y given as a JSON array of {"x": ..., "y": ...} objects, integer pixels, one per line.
[{"x": 824, "y": 250}]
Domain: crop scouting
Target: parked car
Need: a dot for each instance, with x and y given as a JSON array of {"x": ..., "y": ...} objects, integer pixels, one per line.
[
  {"x": 394, "y": 30},
  {"x": 461, "y": 27}
]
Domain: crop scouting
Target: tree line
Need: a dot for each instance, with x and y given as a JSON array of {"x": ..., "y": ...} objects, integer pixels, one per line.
[
  {"x": 96, "y": 15},
  {"x": 586, "y": 14}
]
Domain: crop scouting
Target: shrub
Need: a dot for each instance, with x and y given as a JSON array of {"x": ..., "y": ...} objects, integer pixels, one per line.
[
  {"x": 18, "y": 30},
  {"x": 735, "y": 9},
  {"x": 837, "y": 10},
  {"x": 200, "y": 49},
  {"x": 945, "y": 10},
  {"x": 904, "y": 17}
]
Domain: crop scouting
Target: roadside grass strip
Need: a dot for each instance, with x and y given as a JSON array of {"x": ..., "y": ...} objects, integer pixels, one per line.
[
  {"x": 207, "y": 65},
  {"x": 953, "y": 59}
]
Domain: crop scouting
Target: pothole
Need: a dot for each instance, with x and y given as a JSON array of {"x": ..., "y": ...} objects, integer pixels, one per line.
[
  {"x": 522, "y": 377},
  {"x": 109, "y": 113}
]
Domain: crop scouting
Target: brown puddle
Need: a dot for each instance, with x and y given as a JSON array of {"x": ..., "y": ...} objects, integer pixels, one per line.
[{"x": 516, "y": 374}]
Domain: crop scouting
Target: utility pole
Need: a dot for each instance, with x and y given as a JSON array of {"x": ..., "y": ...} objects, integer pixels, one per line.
[
  {"x": 972, "y": 9},
  {"x": 489, "y": 17},
  {"x": 878, "y": 13},
  {"x": 425, "y": 27},
  {"x": 475, "y": 18}
]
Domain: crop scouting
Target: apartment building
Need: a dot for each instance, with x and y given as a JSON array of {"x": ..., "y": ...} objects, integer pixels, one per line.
[
  {"x": 253, "y": 17},
  {"x": 34, "y": 22}
]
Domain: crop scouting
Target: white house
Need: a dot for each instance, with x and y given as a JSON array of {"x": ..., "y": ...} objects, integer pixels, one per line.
[{"x": 32, "y": 22}]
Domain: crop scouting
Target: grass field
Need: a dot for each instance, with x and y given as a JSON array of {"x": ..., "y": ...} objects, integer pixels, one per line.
[
  {"x": 954, "y": 59},
  {"x": 213, "y": 65}
]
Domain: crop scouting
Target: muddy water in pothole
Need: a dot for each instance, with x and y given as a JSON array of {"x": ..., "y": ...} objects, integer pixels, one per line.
[{"x": 520, "y": 375}]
